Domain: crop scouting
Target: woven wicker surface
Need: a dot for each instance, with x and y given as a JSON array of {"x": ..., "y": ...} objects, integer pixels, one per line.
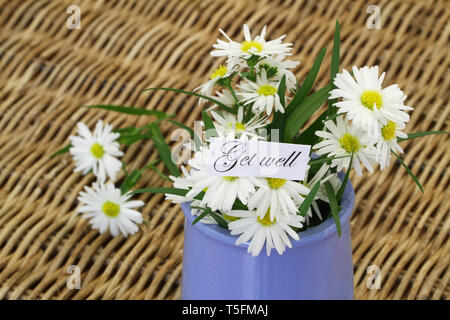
[{"x": 47, "y": 71}]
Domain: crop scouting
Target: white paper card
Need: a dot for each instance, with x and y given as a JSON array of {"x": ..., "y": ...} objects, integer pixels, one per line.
[{"x": 244, "y": 158}]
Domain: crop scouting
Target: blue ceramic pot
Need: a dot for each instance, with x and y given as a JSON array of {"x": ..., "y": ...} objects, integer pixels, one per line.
[{"x": 319, "y": 265}]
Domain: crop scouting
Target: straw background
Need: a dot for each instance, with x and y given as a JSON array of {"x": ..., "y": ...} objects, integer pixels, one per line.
[{"x": 47, "y": 71}]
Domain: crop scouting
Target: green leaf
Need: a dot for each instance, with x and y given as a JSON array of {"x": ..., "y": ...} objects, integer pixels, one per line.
[
  {"x": 174, "y": 191},
  {"x": 130, "y": 110},
  {"x": 200, "y": 216},
  {"x": 304, "y": 111},
  {"x": 408, "y": 170},
  {"x": 303, "y": 210},
  {"x": 221, "y": 221},
  {"x": 420, "y": 134},
  {"x": 334, "y": 66},
  {"x": 163, "y": 149},
  {"x": 132, "y": 178},
  {"x": 197, "y": 140},
  {"x": 344, "y": 182},
  {"x": 279, "y": 118},
  {"x": 130, "y": 181},
  {"x": 61, "y": 151},
  {"x": 322, "y": 160},
  {"x": 308, "y": 136},
  {"x": 220, "y": 104},
  {"x": 128, "y": 140},
  {"x": 333, "y": 206},
  {"x": 209, "y": 125},
  {"x": 158, "y": 172},
  {"x": 307, "y": 85}
]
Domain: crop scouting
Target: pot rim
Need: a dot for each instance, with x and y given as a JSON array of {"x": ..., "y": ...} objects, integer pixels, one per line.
[{"x": 308, "y": 237}]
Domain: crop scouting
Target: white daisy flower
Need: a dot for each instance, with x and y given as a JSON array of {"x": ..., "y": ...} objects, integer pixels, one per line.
[
  {"x": 281, "y": 195},
  {"x": 225, "y": 97},
  {"x": 282, "y": 66},
  {"x": 387, "y": 141},
  {"x": 220, "y": 191},
  {"x": 106, "y": 208},
  {"x": 263, "y": 94},
  {"x": 341, "y": 141},
  {"x": 180, "y": 183},
  {"x": 226, "y": 123},
  {"x": 322, "y": 175},
  {"x": 260, "y": 231},
  {"x": 219, "y": 73},
  {"x": 365, "y": 102},
  {"x": 96, "y": 151},
  {"x": 256, "y": 46}
]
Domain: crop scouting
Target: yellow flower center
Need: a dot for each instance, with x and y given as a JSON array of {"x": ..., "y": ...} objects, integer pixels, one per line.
[
  {"x": 248, "y": 45},
  {"x": 276, "y": 183},
  {"x": 370, "y": 98},
  {"x": 221, "y": 71},
  {"x": 111, "y": 209},
  {"x": 230, "y": 218},
  {"x": 267, "y": 90},
  {"x": 97, "y": 150},
  {"x": 349, "y": 143},
  {"x": 266, "y": 220},
  {"x": 240, "y": 126},
  {"x": 388, "y": 131},
  {"x": 231, "y": 178}
]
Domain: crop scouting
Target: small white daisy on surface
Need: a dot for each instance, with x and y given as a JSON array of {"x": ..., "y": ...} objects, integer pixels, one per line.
[
  {"x": 365, "y": 102},
  {"x": 226, "y": 123},
  {"x": 387, "y": 141},
  {"x": 281, "y": 195},
  {"x": 256, "y": 46},
  {"x": 259, "y": 231},
  {"x": 96, "y": 151},
  {"x": 344, "y": 139},
  {"x": 107, "y": 208},
  {"x": 220, "y": 192},
  {"x": 219, "y": 73},
  {"x": 263, "y": 94}
]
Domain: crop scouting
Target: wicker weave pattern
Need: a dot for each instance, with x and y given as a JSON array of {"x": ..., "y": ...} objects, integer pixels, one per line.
[{"x": 47, "y": 71}]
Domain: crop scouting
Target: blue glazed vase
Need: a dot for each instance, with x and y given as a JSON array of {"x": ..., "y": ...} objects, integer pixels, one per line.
[{"x": 318, "y": 266}]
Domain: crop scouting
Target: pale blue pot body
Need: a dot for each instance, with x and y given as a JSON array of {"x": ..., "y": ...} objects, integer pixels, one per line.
[{"x": 319, "y": 265}]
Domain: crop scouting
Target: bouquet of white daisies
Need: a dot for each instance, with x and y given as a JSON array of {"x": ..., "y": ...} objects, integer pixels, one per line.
[{"x": 254, "y": 95}]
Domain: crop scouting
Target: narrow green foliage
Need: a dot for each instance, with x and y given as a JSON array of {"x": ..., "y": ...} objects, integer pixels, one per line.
[
  {"x": 209, "y": 125},
  {"x": 322, "y": 160},
  {"x": 421, "y": 134},
  {"x": 307, "y": 85},
  {"x": 197, "y": 140},
  {"x": 220, "y": 104},
  {"x": 303, "y": 210},
  {"x": 304, "y": 111},
  {"x": 163, "y": 149},
  {"x": 345, "y": 181},
  {"x": 130, "y": 110},
  {"x": 62, "y": 150},
  {"x": 408, "y": 170},
  {"x": 333, "y": 206}
]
